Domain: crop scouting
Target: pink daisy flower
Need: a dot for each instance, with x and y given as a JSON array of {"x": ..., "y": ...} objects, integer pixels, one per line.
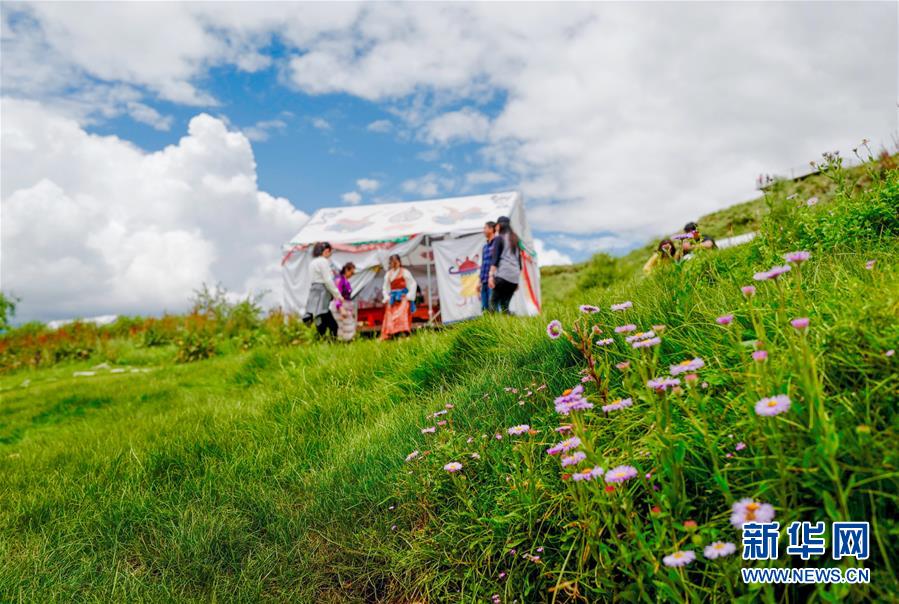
[
  {"x": 622, "y": 306},
  {"x": 588, "y": 308},
  {"x": 811, "y": 201},
  {"x": 623, "y": 365},
  {"x": 573, "y": 459},
  {"x": 749, "y": 510},
  {"x": 748, "y": 290},
  {"x": 554, "y": 329},
  {"x": 520, "y": 429},
  {"x": 760, "y": 356},
  {"x": 605, "y": 342},
  {"x": 564, "y": 428},
  {"x": 797, "y": 257},
  {"x": 740, "y": 446},
  {"x": 453, "y": 466},
  {"x": 621, "y": 474},
  {"x": 719, "y": 549},
  {"x": 680, "y": 558},
  {"x": 572, "y": 400},
  {"x": 870, "y": 264},
  {"x": 724, "y": 319},
  {"x": 412, "y": 456},
  {"x": 890, "y": 352},
  {"x": 625, "y": 328},
  {"x": 429, "y": 430},
  {"x": 773, "y": 405},
  {"x": 800, "y": 323},
  {"x": 618, "y": 405},
  {"x": 688, "y": 365}
]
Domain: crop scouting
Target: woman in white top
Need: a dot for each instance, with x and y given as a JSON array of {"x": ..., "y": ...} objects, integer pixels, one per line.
[
  {"x": 399, "y": 296},
  {"x": 322, "y": 290}
]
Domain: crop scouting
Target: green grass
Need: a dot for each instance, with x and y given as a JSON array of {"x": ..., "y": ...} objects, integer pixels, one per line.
[{"x": 271, "y": 474}]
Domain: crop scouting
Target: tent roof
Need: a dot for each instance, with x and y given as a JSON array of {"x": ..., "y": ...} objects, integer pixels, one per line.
[{"x": 391, "y": 221}]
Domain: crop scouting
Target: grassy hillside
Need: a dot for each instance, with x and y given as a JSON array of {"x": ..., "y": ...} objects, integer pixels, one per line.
[{"x": 289, "y": 472}]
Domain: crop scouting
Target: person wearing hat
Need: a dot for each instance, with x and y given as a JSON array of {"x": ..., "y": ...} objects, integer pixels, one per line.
[{"x": 505, "y": 267}]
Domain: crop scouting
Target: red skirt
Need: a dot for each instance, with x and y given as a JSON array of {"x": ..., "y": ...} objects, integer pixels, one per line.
[{"x": 397, "y": 319}]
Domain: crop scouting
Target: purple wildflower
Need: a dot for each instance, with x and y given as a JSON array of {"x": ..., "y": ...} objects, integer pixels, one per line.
[
  {"x": 719, "y": 549},
  {"x": 623, "y": 365},
  {"x": 724, "y": 319},
  {"x": 797, "y": 257},
  {"x": 679, "y": 558},
  {"x": 643, "y": 335},
  {"x": 429, "y": 430},
  {"x": 688, "y": 365},
  {"x": 520, "y": 429},
  {"x": 572, "y": 400},
  {"x": 663, "y": 383},
  {"x": 870, "y": 264},
  {"x": 647, "y": 343},
  {"x": 554, "y": 329},
  {"x": 588, "y": 308},
  {"x": 605, "y": 342},
  {"x": 594, "y": 472},
  {"x": 412, "y": 456},
  {"x": 618, "y": 405},
  {"x": 621, "y": 474},
  {"x": 740, "y": 446},
  {"x": 625, "y": 328},
  {"x": 760, "y": 356},
  {"x": 563, "y": 428},
  {"x": 573, "y": 459},
  {"x": 811, "y": 201},
  {"x": 773, "y": 405},
  {"x": 749, "y": 510},
  {"x": 565, "y": 446},
  {"x": 800, "y": 323},
  {"x": 623, "y": 305},
  {"x": 453, "y": 466},
  {"x": 748, "y": 290}
]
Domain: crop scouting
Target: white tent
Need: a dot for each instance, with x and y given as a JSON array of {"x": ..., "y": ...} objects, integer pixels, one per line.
[{"x": 439, "y": 241}]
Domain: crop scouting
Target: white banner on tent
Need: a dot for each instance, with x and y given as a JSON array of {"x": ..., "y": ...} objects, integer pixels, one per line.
[{"x": 458, "y": 267}]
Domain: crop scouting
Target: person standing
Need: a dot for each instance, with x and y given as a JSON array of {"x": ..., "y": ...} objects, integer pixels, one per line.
[
  {"x": 322, "y": 289},
  {"x": 486, "y": 261},
  {"x": 399, "y": 296},
  {"x": 345, "y": 312},
  {"x": 505, "y": 268}
]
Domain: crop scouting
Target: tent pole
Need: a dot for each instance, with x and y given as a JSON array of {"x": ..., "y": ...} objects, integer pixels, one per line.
[{"x": 430, "y": 286}]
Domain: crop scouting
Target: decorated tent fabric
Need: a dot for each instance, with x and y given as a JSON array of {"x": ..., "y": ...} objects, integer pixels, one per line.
[{"x": 392, "y": 221}]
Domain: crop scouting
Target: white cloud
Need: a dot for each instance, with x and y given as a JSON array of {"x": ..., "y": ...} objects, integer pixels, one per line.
[
  {"x": 93, "y": 225},
  {"x": 263, "y": 129},
  {"x": 381, "y": 126},
  {"x": 624, "y": 117},
  {"x": 604, "y": 243},
  {"x": 320, "y": 123},
  {"x": 548, "y": 256},
  {"x": 429, "y": 185},
  {"x": 368, "y": 184},
  {"x": 147, "y": 115},
  {"x": 352, "y": 198},
  {"x": 482, "y": 177},
  {"x": 458, "y": 126}
]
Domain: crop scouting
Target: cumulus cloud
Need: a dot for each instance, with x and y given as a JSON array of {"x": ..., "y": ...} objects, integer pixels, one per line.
[
  {"x": 429, "y": 185},
  {"x": 93, "y": 224},
  {"x": 482, "y": 177},
  {"x": 463, "y": 126},
  {"x": 320, "y": 123},
  {"x": 368, "y": 184},
  {"x": 352, "y": 198},
  {"x": 547, "y": 256}
]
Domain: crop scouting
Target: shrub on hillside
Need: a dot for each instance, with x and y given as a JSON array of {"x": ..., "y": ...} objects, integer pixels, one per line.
[
  {"x": 198, "y": 340},
  {"x": 600, "y": 271}
]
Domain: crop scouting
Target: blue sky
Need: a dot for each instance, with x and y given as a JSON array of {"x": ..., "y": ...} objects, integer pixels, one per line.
[{"x": 139, "y": 133}]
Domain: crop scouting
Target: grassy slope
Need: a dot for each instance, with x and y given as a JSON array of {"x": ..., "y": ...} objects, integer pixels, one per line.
[{"x": 270, "y": 474}]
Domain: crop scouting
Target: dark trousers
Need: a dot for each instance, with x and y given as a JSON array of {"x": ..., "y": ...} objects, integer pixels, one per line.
[
  {"x": 485, "y": 296},
  {"x": 501, "y": 295},
  {"x": 326, "y": 323}
]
